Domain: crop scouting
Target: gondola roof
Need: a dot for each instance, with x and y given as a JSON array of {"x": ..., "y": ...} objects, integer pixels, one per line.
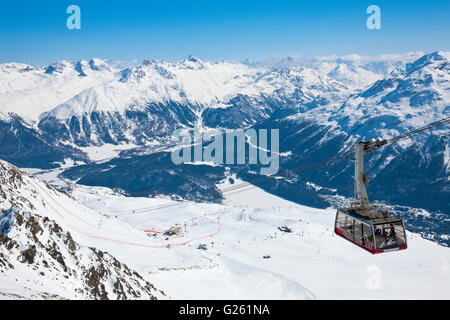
[{"x": 370, "y": 216}]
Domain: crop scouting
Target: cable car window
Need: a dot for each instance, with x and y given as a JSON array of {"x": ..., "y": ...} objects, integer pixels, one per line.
[
  {"x": 348, "y": 229},
  {"x": 357, "y": 235},
  {"x": 367, "y": 236},
  {"x": 389, "y": 235},
  {"x": 400, "y": 233},
  {"x": 340, "y": 221},
  {"x": 349, "y": 224}
]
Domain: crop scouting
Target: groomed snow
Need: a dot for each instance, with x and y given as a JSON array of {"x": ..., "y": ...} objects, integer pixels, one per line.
[{"x": 309, "y": 263}]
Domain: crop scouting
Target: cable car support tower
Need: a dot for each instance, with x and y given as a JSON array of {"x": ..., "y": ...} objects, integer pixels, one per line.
[{"x": 369, "y": 225}]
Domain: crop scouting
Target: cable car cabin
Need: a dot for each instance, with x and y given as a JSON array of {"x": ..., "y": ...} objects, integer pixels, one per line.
[
  {"x": 371, "y": 229},
  {"x": 369, "y": 225}
]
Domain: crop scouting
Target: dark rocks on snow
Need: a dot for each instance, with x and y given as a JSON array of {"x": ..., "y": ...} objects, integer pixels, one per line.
[{"x": 285, "y": 229}]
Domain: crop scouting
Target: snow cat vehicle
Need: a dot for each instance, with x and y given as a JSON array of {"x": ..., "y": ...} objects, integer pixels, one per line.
[{"x": 367, "y": 225}]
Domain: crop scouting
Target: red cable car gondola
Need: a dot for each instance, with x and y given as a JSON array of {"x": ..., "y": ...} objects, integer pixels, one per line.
[
  {"x": 369, "y": 225},
  {"x": 377, "y": 233}
]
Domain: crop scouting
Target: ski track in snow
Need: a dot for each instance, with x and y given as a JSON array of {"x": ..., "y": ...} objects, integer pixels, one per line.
[{"x": 112, "y": 232}]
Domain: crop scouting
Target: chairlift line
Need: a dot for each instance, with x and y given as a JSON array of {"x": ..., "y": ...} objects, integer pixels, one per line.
[{"x": 369, "y": 146}]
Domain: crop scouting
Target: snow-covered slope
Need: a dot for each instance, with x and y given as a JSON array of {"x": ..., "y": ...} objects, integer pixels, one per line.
[
  {"x": 29, "y": 91},
  {"x": 232, "y": 250},
  {"x": 412, "y": 98},
  {"x": 235, "y": 250}
]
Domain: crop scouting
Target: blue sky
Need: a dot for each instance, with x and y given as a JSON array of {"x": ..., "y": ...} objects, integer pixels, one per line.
[{"x": 35, "y": 32}]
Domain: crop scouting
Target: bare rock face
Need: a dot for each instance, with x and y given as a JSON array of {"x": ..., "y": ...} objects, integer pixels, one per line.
[{"x": 37, "y": 254}]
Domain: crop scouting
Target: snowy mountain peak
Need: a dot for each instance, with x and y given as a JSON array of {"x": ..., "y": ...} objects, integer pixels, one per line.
[
  {"x": 408, "y": 99},
  {"x": 99, "y": 65},
  {"x": 434, "y": 60},
  {"x": 81, "y": 67},
  {"x": 192, "y": 58},
  {"x": 193, "y": 62},
  {"x": 15, "y": 67},
  {"x": 350, "y": 74},
  {"x": 59, "y": 67},
  {"x": 149, "y": 62}
]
